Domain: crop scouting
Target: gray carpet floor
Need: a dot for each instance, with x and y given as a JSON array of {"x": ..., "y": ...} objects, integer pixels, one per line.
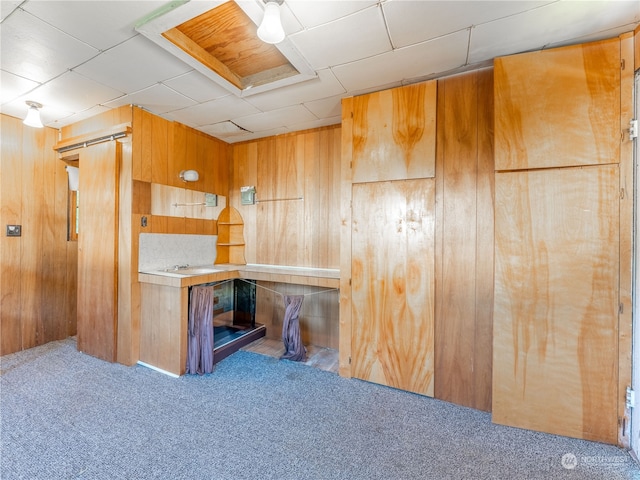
[{"x": 65, "y": 414}]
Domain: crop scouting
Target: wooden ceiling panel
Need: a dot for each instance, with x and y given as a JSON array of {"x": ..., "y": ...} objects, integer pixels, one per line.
[{"x": 224, "y": 39}]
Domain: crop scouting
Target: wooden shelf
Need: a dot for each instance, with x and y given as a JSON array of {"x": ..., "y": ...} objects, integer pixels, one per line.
[{"x": 230, "y": 246}]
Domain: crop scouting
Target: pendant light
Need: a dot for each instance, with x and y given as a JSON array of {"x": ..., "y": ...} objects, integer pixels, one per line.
[
  {"x": 33, "y": 115},
  {"x": 270, "y": 30}
]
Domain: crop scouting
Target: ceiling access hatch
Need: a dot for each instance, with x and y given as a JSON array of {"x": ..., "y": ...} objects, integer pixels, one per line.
[{"x": 218, "y": 38}]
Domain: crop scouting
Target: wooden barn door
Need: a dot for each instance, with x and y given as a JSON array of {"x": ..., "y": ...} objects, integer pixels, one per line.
[
  {"x": 98, "y": 250},
  {"x": 393, "y": 283}
]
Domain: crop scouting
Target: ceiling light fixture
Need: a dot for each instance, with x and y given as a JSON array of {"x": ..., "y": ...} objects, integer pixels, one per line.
[
  {"x": 270, "y": 30},
  {"x": 33, "y": 115}
]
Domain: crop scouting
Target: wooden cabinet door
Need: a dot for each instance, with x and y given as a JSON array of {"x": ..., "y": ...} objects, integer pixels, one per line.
[
  {"x": 98, "y": 250},
  {"x": 558, "y": 107},
  {"x": 555, "y": 348},
  {"x": 393, "y": 284},
  {"x": 394, "y": 134}
]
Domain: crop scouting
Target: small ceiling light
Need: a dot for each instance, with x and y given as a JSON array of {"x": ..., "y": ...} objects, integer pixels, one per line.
[
  {"x": 270, "y": 30},
  {"x": 189, "y": 176},
  {"x": 33, "y": 115}
]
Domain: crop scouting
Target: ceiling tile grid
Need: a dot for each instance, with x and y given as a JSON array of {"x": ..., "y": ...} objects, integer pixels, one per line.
[
  {"x": 35, "y": 50},
  {"x": 360, "y": 35},
  {"x": 82, "y": 57},
  {"x": 133, "y": 65}
]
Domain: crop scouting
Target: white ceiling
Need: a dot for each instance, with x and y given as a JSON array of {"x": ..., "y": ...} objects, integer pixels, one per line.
[{"x": 80, "y": 58}]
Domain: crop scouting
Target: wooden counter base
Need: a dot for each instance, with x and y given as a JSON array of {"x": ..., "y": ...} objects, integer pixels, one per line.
[{"x": 165, "y": 306}]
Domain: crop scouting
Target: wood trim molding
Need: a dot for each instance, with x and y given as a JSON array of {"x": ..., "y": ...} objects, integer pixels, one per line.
[{"x": 91, "y": 138}]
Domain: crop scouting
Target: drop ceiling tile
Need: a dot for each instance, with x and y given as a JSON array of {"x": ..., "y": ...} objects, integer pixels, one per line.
[
  {"x": 282, "y": 117},
  {"x": 360, "y": 35},
  {"x": 326, "y": 107},
  {"x": 214, "y": 111},
  {"x": 312, "y": 13},
  {"x": 133, "y": 65},
  {"x": 323, "y": 122},
  {"x": 256, "y": 135},
  {"x": 196, "y": 86},
  {"x": 73, "y": 92},
  {"x": 547, "y": 25},
  {"x": 157, "y": 99},
  {"x": 440, "y": 54},
  {"x": 226, "y": 129},
  {"x": 7, "y": 7},
  {"x": 375, "y": 88},
  {"x": 14, "y": 86},
  {"x": 325, "y": 85},
  {"x": 79, "y": 116},
  {"x": 592, "y": 37},
  {"x": 414, "y": 22},
  {"x": 102, "y": 24},
  {"x": 39, "y": 52}
]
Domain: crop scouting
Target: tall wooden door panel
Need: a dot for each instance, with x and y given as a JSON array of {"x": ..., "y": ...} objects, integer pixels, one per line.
[
  {"x": 394, "y": 134},
  {"x": 556, "y": 301},
  {"x": 393, "y": 284},
  {"x": 97, "y": 250},
  {"x": 558, "y": 107}
]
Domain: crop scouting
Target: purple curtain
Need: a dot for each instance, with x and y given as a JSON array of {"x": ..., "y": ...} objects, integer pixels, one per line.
[
  {"x": 294, "y": 349},
  {"x": 200, "y": 332}
]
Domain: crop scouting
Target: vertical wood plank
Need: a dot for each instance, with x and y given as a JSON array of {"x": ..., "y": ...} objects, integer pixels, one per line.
[
  {"x": 30, "y": 261},
  {"x": 464, "y": 240},
  {"x": 314, "y": 197},
  {"x": 636, "y": 48},
  {"x": 266, "y": 186},
  {"x": 159, "y": 147},
  {"x": 127, "y": 317},
  {"x": 455, "y": 329},
  {"x": 10, "y": 212},
  {"x": 334, "y": 243},
  {"x": 137, "y": 119},
  {"x": 52, "y": 277},
  {"x": 145, "y": 137},
  {"x": 177, "y": 157},
  {"x": 483, "y": 358}
]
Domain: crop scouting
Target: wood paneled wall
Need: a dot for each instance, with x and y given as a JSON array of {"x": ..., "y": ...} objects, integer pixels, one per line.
[
  {"x": 463, "y": 246},
  {"x": 162, "y": 149},
  {"x": 37, "y": 274},
  {"x": 283, "y": 230},
  {"x": 297, "y": 179},
  {"x": 158, "y": 151},
  {"x": 464, "y": 240}
]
